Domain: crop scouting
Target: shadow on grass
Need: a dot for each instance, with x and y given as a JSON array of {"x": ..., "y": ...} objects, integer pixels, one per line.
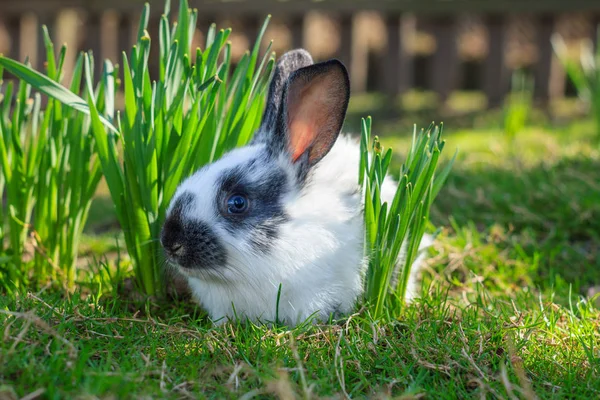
[
  {"x": 551, "y": 214},
  {"x": 102, "y": 217}
]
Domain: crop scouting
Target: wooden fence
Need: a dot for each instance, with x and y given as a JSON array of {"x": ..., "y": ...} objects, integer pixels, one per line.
[{"x": 110, "y": 25}]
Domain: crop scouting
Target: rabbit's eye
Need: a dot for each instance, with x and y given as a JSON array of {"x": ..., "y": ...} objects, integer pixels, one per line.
[{"x": 237, "y": 204}]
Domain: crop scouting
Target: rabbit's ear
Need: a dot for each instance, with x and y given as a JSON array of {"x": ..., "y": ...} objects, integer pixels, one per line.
[
  {"x": 287, "y": 64},
  {"x": 314, "y": 104}
]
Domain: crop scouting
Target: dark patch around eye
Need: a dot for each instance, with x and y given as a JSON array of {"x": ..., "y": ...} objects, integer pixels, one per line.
[{"x": 266, "y": 213}]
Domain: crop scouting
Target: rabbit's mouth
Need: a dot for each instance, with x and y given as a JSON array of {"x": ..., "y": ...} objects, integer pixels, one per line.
[
  {"x": 221, "y": 275},
  {"x": 196, "y": 269},
  {"x": 196, "y": 257}
]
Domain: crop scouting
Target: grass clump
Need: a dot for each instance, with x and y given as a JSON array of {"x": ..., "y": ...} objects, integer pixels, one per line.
[
  {"x": 50, "y": 173},
  {"x": 397, "y": 226},
  {"x": 584, "y": 73},
  {"x": 517, "y": 107},
  {"x": 196, "y": 109}
]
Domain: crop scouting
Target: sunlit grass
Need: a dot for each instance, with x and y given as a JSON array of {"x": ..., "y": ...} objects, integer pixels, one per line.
[
  {"x": 473, "y": 345},
  {"x": 584, "y": 72},
  {"x": 396, "y": 226},
  {"x": 47, "y": 162}
]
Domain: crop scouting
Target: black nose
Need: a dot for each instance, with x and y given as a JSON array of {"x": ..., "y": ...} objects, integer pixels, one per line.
[
  {"x": 175, "y": 246},
  {"x": 174, "y": 249},
  {"x": 191, "y": 243},
  {"x": 172, "y": 237}
]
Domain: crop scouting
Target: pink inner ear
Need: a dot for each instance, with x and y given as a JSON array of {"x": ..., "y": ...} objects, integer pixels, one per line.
[
  {"x": 302, "y": 137},
  {"x": 308, "y": 112}
]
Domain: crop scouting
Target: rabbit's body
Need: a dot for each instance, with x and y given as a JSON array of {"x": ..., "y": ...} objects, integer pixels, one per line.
[
  {"x": 281, "y": 216},
  {"x": 318, "y": 257}
]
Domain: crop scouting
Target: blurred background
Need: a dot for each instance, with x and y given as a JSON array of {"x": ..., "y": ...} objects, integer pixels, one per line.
[{"x": 458, "y": 54}]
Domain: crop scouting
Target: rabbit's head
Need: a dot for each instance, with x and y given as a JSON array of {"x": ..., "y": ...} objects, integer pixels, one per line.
[{"x": 225, "y": 221}]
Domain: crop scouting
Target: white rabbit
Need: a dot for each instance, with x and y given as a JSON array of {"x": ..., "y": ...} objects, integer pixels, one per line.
[{"x": 284, "y": 210}]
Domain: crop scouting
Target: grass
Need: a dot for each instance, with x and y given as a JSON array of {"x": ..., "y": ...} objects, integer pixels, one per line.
[
  {"x": 493, "y": 347},
  {"x": 47, "y": 197},
  {"x": 506, "y": 315},
  {"x": 518, "y": 105},
  {"x": 584, "y": 72},
  {"x": 391, "y": 225}
]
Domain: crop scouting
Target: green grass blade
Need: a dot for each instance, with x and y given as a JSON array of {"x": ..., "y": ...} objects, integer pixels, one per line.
[{"x": 50, "y": 88}]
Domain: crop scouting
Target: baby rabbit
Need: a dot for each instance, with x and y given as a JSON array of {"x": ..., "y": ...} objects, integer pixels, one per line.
[{"x": 284, "y": 210}]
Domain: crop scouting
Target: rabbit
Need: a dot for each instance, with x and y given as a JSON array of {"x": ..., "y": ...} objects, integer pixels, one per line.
[{"x": 274, "y": 230}]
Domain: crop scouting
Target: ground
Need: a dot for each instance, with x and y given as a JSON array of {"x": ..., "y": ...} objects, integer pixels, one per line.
[{"x": 505, "y": 311}]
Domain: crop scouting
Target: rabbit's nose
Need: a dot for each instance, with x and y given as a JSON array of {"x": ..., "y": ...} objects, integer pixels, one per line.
[
  {"x": 174, "y": 249},
  {"x": 172, "y": 237}
]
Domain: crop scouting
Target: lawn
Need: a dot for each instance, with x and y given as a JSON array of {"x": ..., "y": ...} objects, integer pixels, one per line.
[{"x": 505, "y": 311}]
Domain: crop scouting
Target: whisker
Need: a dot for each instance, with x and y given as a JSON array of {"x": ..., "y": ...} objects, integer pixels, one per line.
[{"x": 250, "y": 278}]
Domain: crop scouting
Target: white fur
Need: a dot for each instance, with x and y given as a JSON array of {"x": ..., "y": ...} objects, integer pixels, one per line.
[{"x": 318, "y": 257}]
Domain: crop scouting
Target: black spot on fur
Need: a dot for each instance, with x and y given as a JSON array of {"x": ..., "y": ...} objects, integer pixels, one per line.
[
  {"x": 185, "y": 200},
  {"x": 265, "y": 191},
  {"x": 191, "y": 244}
]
